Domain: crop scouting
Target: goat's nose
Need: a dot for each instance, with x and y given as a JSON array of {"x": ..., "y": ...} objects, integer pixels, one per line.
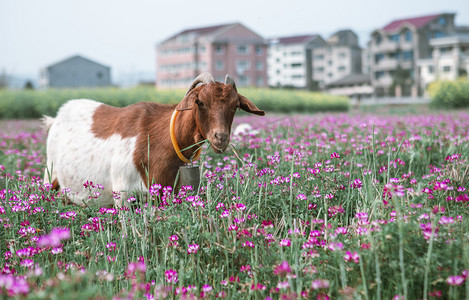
[{"x": 221, "y": 136}]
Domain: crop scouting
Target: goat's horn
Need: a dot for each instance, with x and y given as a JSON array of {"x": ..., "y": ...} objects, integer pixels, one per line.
[
  {"x": 204, "y": 78},
  {"x": 230, "y": 80}
]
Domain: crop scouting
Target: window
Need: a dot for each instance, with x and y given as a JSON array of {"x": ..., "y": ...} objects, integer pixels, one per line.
[
  {"x": 243, "y": 80},
  {"x": 342, "y": 55},
  {"x": 219, "y": 49},
  {"x": 379, "y": 39},
  {"x": 446, "y": 69},
  {"x": 99, "y": 75},
  {"x": 341, "y": 68},
  {"x": 430, "y": 69},
  {"x": 259, "y": 81},
  {"x": 445, "y": 50},
  {"x": 242, "y": 65},
  {"x": 408, "y": 55},
  {"x": 319, "y": 57},
  {"x": 439, "y": 34},
  {"x": 296, "y": 65},
  {"x": 442, "y": 21},
  {"x": 295, "y": 53},
  {"x": 394, "y": 38},
  {"x": 320, "y": 70},
  {"x": 242, "y": 49},
  {"x": 379, "y": 57},
  {"x": 259, "y": 50},
  {"x": 394, "y": 55},
  {"x": 259, "y": 66},
  {"x": 408, "y": 36},
  {"x": 299, "y": 76},
  {"x": 219, "y": 65},
  {"x": 379, "y": 74},
  {"x": 202, "y": 49}
]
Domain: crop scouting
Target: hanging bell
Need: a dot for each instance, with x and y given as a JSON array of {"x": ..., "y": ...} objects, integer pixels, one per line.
[{"x": 189, "y": 175}]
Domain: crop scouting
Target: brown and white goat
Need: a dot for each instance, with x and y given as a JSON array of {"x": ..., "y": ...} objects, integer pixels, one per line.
[{"x": 124, "y": 149}]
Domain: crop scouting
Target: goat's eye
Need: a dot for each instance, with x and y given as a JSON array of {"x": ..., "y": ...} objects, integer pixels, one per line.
[{"x": 200, "y": 103}]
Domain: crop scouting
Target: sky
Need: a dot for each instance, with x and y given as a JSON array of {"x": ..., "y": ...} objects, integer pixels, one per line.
[{"x": 123, "y": 34}]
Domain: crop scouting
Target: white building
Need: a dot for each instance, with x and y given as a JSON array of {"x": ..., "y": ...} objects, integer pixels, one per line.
[
  {"x": 449, "y": 60},
  {"x": 289, "y": 60}
]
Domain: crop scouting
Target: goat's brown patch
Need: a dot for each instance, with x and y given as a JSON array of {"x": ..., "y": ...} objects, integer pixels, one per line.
[{"x": 109, "y": 120}]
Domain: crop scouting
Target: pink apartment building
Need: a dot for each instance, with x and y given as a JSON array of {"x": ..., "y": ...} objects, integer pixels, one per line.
[{"x": 223, "y": 49}]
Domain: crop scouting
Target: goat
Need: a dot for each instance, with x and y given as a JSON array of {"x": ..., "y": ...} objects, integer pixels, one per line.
[{"x": 129, "y": 148}]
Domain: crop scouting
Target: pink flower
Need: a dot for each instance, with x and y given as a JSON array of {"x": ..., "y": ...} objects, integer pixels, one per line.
[
  {"x": 320, "y": 284},
  {"x": 282, "y": 269},
  {"x": 455, "y": 280},
  {"x": 349, "y": 256},
  {"x": 285, "y": 243},
  {"x": 248, "y": 244},
  {"x": 54, "y": 238},
  {"x": 357, "y": 183},
  {"x": 335, "y": 155},
  {"x": 171, "y": 276},
  {"x": 192, "y": 248}
]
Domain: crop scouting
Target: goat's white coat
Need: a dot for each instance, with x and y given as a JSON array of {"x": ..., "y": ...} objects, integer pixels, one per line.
[{"x": 75, "y": 155}]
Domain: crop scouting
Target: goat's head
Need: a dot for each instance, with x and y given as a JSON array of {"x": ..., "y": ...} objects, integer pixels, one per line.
[{"x": 214, "y": 105}]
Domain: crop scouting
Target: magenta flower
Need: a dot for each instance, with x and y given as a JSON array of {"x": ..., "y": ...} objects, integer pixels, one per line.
[
  {"x": 357, "y": 183},
  {"x": 248, "y": 244},
  {"x": 54, "y": 238},
  {"x": 320, "y": 284},
  {"x": 455, "y": 280},
  {"x": 349, "y": 256},
  {"x": 136, "y": 266},
  {"x": 285, "y": 243},
  {"x": 171, "y": 276},
  {"x": 192, "y": 248},
  {"x": 282, "y": 269}
]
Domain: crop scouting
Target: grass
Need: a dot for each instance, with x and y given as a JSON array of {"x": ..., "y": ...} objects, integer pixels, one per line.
[
  {"x": 323, "y": 206},
  {"x": 28, "y": 104}
]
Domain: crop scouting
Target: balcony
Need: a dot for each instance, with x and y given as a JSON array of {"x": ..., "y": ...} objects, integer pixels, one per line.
[{"x": 384, "y": 46}]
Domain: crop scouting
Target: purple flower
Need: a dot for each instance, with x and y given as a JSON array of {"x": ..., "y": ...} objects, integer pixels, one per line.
[
  {"x": 282, "y": 269},
  {"x": 171, "y": 276},
  {"x": 192, "y": 248},
  {"x": 455, "y": 280},
  {"x": 54, "y": 238},
  {"x": 320, "y": 284}
]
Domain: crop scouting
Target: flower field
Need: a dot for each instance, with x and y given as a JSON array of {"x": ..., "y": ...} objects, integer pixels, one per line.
[{"x": 327, "y": 206}]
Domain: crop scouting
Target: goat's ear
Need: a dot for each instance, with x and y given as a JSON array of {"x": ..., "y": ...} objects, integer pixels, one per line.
[
  {"x": 188, "y": 102},
  {"x": 246, "y": 105}
]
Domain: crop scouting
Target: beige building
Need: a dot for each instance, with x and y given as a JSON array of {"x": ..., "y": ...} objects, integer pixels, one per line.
[
  {"x": 223, "y": 49},
  {"x": 449, "y": 60},
  {"x": 341, "y": 56},
  {"x": 395, "y": 49}
]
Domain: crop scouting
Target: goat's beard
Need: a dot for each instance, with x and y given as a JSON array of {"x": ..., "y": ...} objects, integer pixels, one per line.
[{"x": 219, "y": 150}]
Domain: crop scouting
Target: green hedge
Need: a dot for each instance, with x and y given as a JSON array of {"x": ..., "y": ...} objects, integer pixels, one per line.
[
  {"x": 33, "y": 104},
  {"x": 449, "y": 94}
]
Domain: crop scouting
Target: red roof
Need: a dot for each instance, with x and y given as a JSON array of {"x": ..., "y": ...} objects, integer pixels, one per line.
[
  {"x": 417, "y": 22},
  {"x": 294, "y": 39},
  {"x": 204, "y": 30}
]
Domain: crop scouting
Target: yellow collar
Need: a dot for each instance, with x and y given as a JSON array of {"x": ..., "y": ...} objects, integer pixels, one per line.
[{"x": 175, "y": 143}]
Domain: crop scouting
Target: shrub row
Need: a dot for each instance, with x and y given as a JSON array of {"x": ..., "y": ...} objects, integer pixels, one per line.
[
  {"x": 449, "y": 94},
  {"x": 34, "y": 104}
]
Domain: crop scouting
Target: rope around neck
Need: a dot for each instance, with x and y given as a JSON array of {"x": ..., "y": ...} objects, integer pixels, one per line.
[{"x": 172, "y": 133}]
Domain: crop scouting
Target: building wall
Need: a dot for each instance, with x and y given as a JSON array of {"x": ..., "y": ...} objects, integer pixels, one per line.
[
  {"x": 287, "y": 65},
  {"x": 76, "y": 72},
  {"x": 402, "y": 48},
  {"x": 234, "y": 50},
  {"x": 332, "y": 63}
]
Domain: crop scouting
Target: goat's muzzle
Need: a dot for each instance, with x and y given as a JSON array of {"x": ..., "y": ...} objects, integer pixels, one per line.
[{"x": 220, "y": 141}]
